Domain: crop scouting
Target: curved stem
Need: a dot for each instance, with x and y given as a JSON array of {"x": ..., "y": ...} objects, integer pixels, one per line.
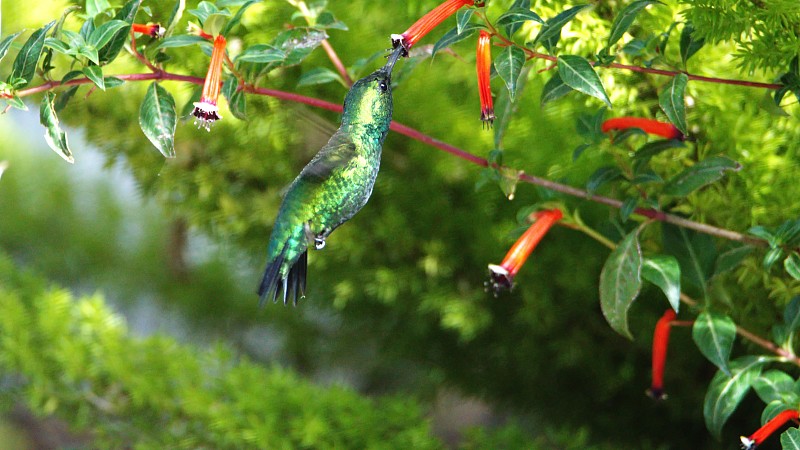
[{"x": 337, "y": 62}]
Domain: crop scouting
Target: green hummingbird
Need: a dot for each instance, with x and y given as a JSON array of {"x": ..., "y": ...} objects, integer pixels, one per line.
[{"x": 332, "y": 187}]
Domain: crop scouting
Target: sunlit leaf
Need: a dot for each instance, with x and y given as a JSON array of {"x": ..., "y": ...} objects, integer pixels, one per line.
[
  {"x": 105, "y": 32},
  {"x": 701, "y": 174},
  {"x": 790, "y": 439},
  {"x": 5, "y": 44},
  {"x": 508, "y": 64},
  {"x": 620, "y": 281},
  {"x": 792, "y": 265},
  {"x": 714, "y": 335},
  {"x": 463, "y": 17},
  {"x": 554, "y": 89},
  {"x": 550, "y": 32},
  {"x": 158, "y": 119},
  {"x": 237, "y": 18},
  {"x": 775, "y": 385},
  {"x": 513, "y": 19},
  {"x": 56, "y": 137},
  {"x": 665, "y": 272},
  {"x": 453, "y": 36},
  {"x": 577, "y": 73},
  {"x": 695, "y": 253},
  {"x": 689, "y": 44},
  {"x": 24, "y": 67},
  {"x": 95, "y": 73},
  {"x": 672, "y": 101},
  {"x": 126, "y": 14},
  {"x": 95, "y": 7},
  {"x": 625, "y": 18},
  {"x": 726, "y": 392},
  {"x": 318, "y": 75},
  {"x": 181, "y": 40}
]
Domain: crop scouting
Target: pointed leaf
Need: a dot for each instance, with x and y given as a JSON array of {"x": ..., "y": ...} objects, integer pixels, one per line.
[
  {"x": 64, "y": 98},
  {"x": 55, "y": 136},
  {"x": 57, "y": 45},
  {"x": 95, "y": 73},
  {"x": 672, "y": 101},
  {"x": 95, "y": 7},
  {"x": 714, "y": 335},
  {"x": 508, "y": 64},
  {"x": 790, "y": 439},
  {"x": 792, "y": 265},
  {"x": 791, "y": 315},
  {"x": 665, "y": 272},
  {"x": 689, "y": 45},
  {"x": 620, "y": 281},
  {"x": 318, "y": 75},
  {"x": 625, "y": 211},
  {"x": 453, "y": 36},
  {"x": 775, "y": 385},
  {"x": 24, "y": 67},
  {"x": 181, "y": 40},
  {"x": 5, "y": 44},
  {"x": 103, "y": 34},
  {"x": 577, "y": 73},
  {"x": 158, "y": 119},
  {"x": 550, "y": 32},
  {"x": 646, "y": 152},
  {"x": 504, "y": 109},
  {"x": 127, "y": 14},
  {"x": 463, "y": 17},
  {"x": 237, "y": 103},
  {"x": 513, "y": 19},
  {"x": 260, "y": 53},
  {"x": 237, "y": 18},
  {"x": 554, "y": 89},
  {"x": 625, "y": 18},
  {"x": 703, "y": 173},
  {"x": 602, "y": 176},
  {"x": 326, "y": 20},
  {"x": 730, "y": 259},
  {"x": 175, "y": 17},
  {"x": 725, "y": 393}
]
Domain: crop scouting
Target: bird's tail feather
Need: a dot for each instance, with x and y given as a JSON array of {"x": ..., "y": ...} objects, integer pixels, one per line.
[{"x": 292, "y": 285}]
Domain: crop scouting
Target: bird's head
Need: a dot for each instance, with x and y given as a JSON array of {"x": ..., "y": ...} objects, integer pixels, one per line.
[{"x": 370, "y": 99}]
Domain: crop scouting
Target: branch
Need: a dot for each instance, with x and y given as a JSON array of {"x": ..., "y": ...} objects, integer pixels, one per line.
[{"x": 337, "y": 62}]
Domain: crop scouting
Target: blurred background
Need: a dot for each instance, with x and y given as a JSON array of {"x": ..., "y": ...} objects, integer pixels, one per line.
[{"x": 127, "y": 281}]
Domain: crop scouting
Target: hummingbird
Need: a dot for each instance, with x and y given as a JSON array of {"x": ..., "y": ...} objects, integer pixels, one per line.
[{"x": 332, "y": 187}]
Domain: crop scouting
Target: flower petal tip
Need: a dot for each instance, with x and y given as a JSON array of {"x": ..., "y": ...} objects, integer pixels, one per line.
[
  {"x": 499, "y": 280},
  {"x": 205, "y": 115}
]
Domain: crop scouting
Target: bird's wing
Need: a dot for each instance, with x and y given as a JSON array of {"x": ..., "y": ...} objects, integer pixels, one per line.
[{"x": 337, "y": 153}]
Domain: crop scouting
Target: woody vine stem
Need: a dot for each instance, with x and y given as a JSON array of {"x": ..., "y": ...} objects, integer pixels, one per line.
[{"x": 651, "y": 214}]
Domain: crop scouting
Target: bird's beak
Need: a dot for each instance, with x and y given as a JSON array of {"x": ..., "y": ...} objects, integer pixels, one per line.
[{"x": 393, "y": 57}]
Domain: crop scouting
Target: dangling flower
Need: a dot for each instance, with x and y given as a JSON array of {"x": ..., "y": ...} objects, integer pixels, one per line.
[
  {"x": 206, "y": 111},
  {"x": 650, "y": 126},
  {"x": 484, "y": 67},
  {"x": 660, "y": 344},
  {"x": 426, "y": 23},
  {"x": 757, "y": 438},
  {"x": 502, "y": 276},
  {"x": 155, "y": 30}
]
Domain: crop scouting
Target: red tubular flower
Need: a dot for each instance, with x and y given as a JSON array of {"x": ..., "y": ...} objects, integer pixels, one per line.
[
  {"x": 663, "y": 129},
  {"x": 153, "y": 30},
  {"x": 206, "y": 111},
  {"x": 757, "y": 438},
  {"x": 502, "y": 276},
  {"x": 426, "y": 23},
  {"x": 660, "y": 343},
  {"x": 195, "y": 30},
  {"x": 484, "y": 67}
]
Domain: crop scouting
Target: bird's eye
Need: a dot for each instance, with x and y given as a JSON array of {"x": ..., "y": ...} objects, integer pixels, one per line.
[{"x": 383, "y": 86}]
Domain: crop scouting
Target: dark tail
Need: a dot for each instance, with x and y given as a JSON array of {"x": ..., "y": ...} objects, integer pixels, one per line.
[{"x": 272, "y": 285}]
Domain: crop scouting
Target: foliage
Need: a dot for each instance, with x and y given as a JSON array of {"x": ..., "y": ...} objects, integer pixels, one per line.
[{"x": 416, "y": 292}]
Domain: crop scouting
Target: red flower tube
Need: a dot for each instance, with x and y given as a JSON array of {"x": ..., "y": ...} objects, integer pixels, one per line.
[
  {"x": 502, "y": 276},
  {"x": 757, "y": 438},
  {"x": 660, "y": 344},
  {"x": 153, "y": 30},
  {"x": 426, "y": 23},
  {"x": 484, "y": 68},
  {"x": 650, "y": 126},
  {"x": 206, "y": 111}
]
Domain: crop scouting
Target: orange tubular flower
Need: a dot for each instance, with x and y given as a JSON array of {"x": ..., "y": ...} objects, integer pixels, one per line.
[
  {"x": 660, "y": 343},
  {"x": 206, "y": 111},
  {"x": 426, "y": 23},
  {"x": 153, "y": 30},
  {"x": 484, "y": 67},
  {"x": 502, "y": 276},
  {"x": 757, "y": 438},
  {"x": 650, "y": 126}
]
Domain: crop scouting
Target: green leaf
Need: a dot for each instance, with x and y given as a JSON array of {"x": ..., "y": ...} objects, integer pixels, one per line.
[
  {"x": 453, "y": 36},
  {"x": 237, "y": 18},
  {"x": 513, "y": 19},
  {"x": 62, "y": 100},
  {"x": 296, "y": 44},
  {"x": 95, "y": 7},
  {"x": 620, "y": 281},
  {"x": 105, "y": 32},
  {"x": 55, "y": 136},
  {"x": 326, "y": 20},
  {"x": 182, "y": 40},
  {"x": 463, "y": 17},
  {"x": 731, "y": 259},
  {"x": 158, "y": 119},
  {"x": 127, "y": 14},
  {"x": 554, "y": 89},
  {"x": 602, "y": 176},
  {"x": 695, "y": 253},
  {"x": 504, "y": 109},
  {"x": 646, "y": 152},
  {"x": 726, "y": 392},
  {"x": 524, "y": 5},
  {"x": 5, "y": 44},
  {"x": 790, "y": 439},
  {"x": 95, "y": 73},
  {"x": 175, "y": 17},
  {"x": 318, "y": 75},
  {"x": 89, "y": 53},
  {"x": 508, "y": 64},
  {"x": 550, "y": 32},
  {"x": 714, "y": 335},
  {"x": 204, "y": 9},
  {"x": 672, "y": 102},
  {"x": 775, "y": 385},
  {"x": 665, "y": 272},
  {"x": 25, "y": 63},
  {"x": 703, "y": 173},
  {"x": 689, "y": 45},
  {"x": 214, "y": 23},
  {"x": 57, "y": 45},
  {"x": 627, "y": 208},
  {"x": 235, "y": 97},
  {"x": 261, "y": 53},
  {"x": 791, "y": 315},
  {"x": 792, "y": 265},
  {"x": 625, "y": 18},
  {"x": 71, "y": 75},
  {"x": 577, "y": 73},
  {"x": 772, "y": 409}
]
